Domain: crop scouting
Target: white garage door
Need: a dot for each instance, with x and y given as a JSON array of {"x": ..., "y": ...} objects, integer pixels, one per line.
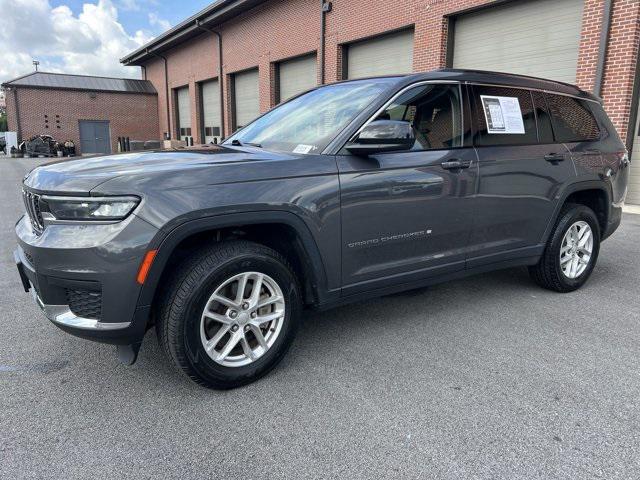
[
  {"x": 535, "y": 37},
  {"x": 211, "y": 111},
  {"x": 633, "y": 194},
  {"x": 247, "y": 103},
  {"x": 184, "y": 113},
  {"x": 296, "y": 76},
  {"x": 381, "y": 56}
]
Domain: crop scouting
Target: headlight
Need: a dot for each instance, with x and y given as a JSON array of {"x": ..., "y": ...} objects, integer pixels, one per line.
[{"x": 88, "y": 208}]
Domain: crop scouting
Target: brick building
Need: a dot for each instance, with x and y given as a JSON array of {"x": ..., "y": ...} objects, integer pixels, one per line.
[
  {"x": 272, "y": 49},
  {"x": 91, "y": 111}
]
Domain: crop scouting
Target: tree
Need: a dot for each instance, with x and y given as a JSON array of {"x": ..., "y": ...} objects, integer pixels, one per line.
[{"x": 3, "y": 122}]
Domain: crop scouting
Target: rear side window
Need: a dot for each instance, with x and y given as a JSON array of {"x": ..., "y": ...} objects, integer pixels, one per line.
[
  {"x": 503, "y": 116},
  {"x": 572, "y": 119},
  {"x": 545, "y": 132}
]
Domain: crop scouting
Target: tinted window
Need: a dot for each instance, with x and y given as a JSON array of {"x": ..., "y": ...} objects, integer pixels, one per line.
[
  {"x": 503, "y": 116},
  {"x": 545, "y": 132},
  {"x": 572, "y": 119},
  {"x": 433, "y": 110}
]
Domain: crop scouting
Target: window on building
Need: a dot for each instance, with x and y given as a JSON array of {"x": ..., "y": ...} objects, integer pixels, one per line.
[
  {"x": 572, "y": 119},
  {"x": 503, "y": 116}
]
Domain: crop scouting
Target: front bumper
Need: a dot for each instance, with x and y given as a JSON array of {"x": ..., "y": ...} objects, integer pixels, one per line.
[{"x": 98, "y": 261}]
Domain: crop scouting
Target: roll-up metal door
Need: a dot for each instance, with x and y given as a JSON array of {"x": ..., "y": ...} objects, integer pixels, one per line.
[
  {"x": 633, "y": 192},
  {"x": 184, "y": 113},
  {"x": 246, "y": 100},
  {"x": 531, "y": 37},
  {"x": 386, "y": 55},
  {"x": 296, "y": 76},
  {"x": 211, "y": 111}
]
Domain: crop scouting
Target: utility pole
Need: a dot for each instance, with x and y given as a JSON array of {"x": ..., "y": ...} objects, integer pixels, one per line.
[{"x": 35, "y": 64}]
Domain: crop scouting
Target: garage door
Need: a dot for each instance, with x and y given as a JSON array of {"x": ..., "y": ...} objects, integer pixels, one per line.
[
  {"x": 211, "y": 111},
  {"x": 381, "y": 56},
  {"x": 94, "y": 136},
  {"x": 534, "y": 37},
  {"x": 633, "y": 194},
  {"x": 246, "y": 100},
  {"x": 296, "y": 76},
  {"x": 184, "y": 113}
]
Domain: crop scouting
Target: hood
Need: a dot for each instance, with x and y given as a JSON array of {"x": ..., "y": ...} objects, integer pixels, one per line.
[{"x": 82, "y": 175}]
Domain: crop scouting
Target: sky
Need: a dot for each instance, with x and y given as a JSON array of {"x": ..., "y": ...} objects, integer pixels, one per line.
[{"x": 82, "y": 37}]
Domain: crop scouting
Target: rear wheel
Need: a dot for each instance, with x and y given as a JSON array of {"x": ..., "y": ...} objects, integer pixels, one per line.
[
  {"x": 230, "y": 314},
  {"x": 571, "y": 251}
]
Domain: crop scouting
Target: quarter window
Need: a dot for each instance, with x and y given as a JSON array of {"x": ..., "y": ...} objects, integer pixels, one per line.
[
  {"x": 503, "y": 116},
  {"x": 433, "y": 110},
  {"x": 572, "y": 119}
]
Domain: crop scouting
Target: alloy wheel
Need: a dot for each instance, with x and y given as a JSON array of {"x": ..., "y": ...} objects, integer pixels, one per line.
[
  {"x": 576, "y": 249},
  {"x": 242, "y": 319}
]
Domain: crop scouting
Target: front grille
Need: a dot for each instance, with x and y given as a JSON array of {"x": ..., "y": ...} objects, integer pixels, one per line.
[
  {"x": 85, "y": 303},
  {"x": 32, "y": 204}
]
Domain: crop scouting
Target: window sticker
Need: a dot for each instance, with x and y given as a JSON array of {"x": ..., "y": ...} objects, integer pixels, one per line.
[
  {"x": 302, "y": 148},
  {"x": 503, "y": 114}
]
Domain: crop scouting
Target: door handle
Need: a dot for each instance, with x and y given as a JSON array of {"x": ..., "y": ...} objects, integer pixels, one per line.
[
  {"x": 554, "y": 157},
  {"x": 455, "y": 164}
]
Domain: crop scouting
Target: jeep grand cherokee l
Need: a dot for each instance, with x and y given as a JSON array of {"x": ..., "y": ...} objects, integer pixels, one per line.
[{"x": 348, "y": 191}]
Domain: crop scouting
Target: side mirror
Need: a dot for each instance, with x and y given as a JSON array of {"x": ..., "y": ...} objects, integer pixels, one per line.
[{"x": 383, "y": 136}]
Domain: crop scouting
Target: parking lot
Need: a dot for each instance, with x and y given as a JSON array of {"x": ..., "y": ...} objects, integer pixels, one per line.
[{"x": 488, "y": 377}]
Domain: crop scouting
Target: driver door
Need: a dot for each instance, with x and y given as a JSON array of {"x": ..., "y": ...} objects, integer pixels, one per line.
[{"x": 407, "y": 215}]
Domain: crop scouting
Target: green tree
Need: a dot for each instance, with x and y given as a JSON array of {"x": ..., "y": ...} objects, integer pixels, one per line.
[{"x": 3, "y": 122}]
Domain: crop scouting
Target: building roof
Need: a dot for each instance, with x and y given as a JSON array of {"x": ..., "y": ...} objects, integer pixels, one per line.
[
  {"x": 218, "y": 12},
  {"x": 82, "y": 82}
]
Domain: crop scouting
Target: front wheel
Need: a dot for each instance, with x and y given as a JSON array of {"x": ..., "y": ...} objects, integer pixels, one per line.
[
  {"x": 230, "y": 314},
  {"x": 571, "y": 252}
]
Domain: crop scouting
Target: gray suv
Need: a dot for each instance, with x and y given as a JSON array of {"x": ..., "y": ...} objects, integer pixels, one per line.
[{"x": 346, "y": 192}]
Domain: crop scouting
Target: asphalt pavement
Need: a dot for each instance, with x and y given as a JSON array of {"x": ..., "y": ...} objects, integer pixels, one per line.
[{"x": 489, "y": 377}]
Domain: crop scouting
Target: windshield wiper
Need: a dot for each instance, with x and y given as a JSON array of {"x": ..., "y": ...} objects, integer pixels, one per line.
[{"x": 237, "y": 143}]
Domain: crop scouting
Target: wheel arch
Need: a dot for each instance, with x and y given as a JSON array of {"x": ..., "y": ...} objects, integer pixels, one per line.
[
  {"x": 592, "y": 194},
  {"x": 303, "y": 251}
]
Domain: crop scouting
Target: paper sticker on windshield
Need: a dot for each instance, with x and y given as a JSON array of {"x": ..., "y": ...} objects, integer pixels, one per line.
[
  {"x": 303, "y": 148},
  {"x": 503, "y": 114}
]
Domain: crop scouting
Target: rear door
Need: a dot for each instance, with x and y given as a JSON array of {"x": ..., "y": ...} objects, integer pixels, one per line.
[
  {"x": 407, "y": 215},
  {"x": 575, "y": 125},
  {"x": 521, "y": 170}
]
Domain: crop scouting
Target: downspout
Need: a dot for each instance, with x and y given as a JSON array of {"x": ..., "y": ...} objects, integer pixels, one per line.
[
  {"x": 325, "y": 7},
  {"x": 18, "y": 128},
  {"x": 220, "y": 75},
  {"x": 602, "y": 49},
  {"x": 166, "y": 92}
]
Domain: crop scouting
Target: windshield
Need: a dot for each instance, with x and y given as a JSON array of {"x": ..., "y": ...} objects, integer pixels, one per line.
[{"x": 309, "y": 122}]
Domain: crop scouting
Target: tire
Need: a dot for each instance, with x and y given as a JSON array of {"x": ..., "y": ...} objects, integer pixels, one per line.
[
  {"x": 183, "y": 329},
  {"x": 548, "y": 272}
]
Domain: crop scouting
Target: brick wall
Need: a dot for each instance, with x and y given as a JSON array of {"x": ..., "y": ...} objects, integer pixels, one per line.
[
  {"x": 281, "y": 29},
  {"x": 130, "y": 115}
]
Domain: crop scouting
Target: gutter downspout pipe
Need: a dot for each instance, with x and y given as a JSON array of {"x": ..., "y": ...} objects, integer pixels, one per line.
[
  {"x": 602, "y": 48},
  {"x": 166, "y": 91},
  {"x": 324, "y": 8},
  {"x": 220, "y": 75}
]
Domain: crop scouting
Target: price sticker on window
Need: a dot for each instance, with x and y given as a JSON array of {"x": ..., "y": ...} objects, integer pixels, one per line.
[{"x": 503, "y": 115}]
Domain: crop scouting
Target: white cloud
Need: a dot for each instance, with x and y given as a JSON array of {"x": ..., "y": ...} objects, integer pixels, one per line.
[
  {"x": 156, "y": 21},
  {"x": 91, "y": 43},
  {"x": 129, "y": 5}
]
